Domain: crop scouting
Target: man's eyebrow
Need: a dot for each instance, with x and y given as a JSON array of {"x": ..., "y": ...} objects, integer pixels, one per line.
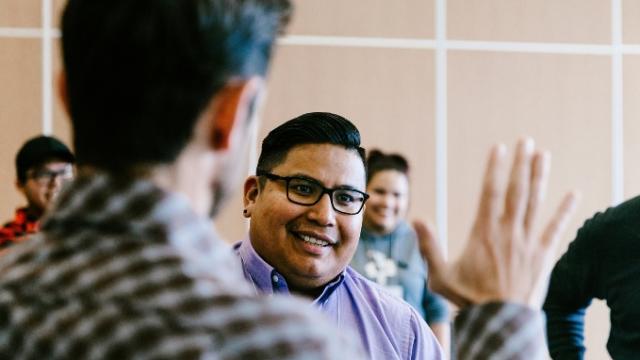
[{"x": 309, "y": 178}]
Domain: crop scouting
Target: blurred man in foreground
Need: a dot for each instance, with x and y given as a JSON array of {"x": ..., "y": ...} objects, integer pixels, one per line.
[{"x": 127, "y": 265}]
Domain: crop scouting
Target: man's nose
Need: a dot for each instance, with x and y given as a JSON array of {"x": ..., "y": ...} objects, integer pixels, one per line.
[
  {"x": 388, "y": 200},
  {"x": 56, "y": 181},
  {"x": 323, "y": 212}
]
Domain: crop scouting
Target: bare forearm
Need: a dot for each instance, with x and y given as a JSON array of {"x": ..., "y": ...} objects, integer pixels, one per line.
[{"x": 442, "y": 331}]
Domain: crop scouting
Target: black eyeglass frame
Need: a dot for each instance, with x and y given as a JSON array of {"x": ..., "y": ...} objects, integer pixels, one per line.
[
  {"x": 46, "y": 176},
  {"x": 325, "y": 190}
]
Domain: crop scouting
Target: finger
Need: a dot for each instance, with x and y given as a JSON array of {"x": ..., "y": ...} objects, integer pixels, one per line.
[
  {"x": 518, "y": 191},
  {"x": 429, "y": 247},
  {"x": 439, "y": 275},
  {"x": 559, "y": 222},
  {"x": 492, "y": 194},
  {"x": 539, "y": 176}
]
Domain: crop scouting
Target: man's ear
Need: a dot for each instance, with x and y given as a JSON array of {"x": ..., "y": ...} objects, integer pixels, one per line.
[
  {"x": 234, "y": 107},
  {"x": 63, "y": 92},
  {"x": 251, "y": 192}
]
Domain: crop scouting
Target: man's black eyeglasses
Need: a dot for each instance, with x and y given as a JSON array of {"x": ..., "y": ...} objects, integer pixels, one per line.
[
  {"x": 45, "y": 176},
  {"x": 308, "y": 192}
]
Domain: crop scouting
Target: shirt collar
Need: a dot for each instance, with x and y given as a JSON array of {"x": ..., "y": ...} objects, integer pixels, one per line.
[
  {"x": 27, "y": 220},
  {"x": 267, "y": 280}
]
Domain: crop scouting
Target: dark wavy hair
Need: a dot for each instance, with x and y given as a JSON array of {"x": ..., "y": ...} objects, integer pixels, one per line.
[{"x": 139, "y": 72}]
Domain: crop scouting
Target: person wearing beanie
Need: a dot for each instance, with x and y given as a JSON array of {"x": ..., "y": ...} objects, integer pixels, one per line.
[{"x": 43, "y": 165}]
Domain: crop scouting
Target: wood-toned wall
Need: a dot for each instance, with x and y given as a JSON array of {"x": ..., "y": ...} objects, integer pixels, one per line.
[{"x": 437, "y": 80}]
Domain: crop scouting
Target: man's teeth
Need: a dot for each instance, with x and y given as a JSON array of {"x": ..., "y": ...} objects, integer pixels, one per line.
[{"x": 314, "y": 241}]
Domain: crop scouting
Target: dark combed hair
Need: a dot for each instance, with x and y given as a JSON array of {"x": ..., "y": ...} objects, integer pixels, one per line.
[
  {"x": 139, "y": 72},
  {"x": 309, "y": 128},
  {"x": 379, "y": 161}
]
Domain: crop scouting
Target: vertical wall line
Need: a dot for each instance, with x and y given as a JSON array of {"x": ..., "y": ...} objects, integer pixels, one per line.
[
  {"x": 441, "y": 123},
  {"x": 255, "y": 126},
  {"x": 47, "y": 68},
  {"x": 617, "y": 109}
]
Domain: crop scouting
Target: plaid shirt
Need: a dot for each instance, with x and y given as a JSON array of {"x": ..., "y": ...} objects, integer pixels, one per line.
[
  {"x": 122, "y": 269},
  {"x": 14, "y": 231},
  {"x": 500, "y": 331}
]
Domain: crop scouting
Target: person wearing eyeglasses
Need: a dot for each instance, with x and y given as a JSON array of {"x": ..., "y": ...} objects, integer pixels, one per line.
[
  {"x": 301, "y": 241},
  {"x": 43, "y": 165}
]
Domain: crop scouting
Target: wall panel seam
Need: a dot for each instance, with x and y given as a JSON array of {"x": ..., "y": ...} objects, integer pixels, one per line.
[
  {"x": 47, "y": 68},
  {"x": 441, "y": 140},
  {"x": 617, "y": 105}
]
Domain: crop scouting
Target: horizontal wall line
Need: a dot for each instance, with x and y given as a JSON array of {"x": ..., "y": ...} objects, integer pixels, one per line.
[
  {"x": 402, "y": 43},
  {"x": 524, "y": 47},
  {"x": 344, "y": 41},
  {"x": 630, "y": 49},
  {"x": 27, "y": 33},
  {"x": 500, "y": 46}
]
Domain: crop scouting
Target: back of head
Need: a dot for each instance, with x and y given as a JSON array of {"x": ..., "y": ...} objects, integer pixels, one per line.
[
  {"x": 139, "y": 72},
  {"x": 378, "y": 161},
  {"x": 39, "y": 150},
  {"x": 309, "y": 128}
]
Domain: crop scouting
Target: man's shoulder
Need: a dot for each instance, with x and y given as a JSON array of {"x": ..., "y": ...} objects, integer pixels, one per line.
[
  {"x": 230, "y": 325},
  {"x": 616, "y": 224},
  {"x": 10, "y": 231},
  {"x": 154, "y": 303},
  {"x": 617, "y": 215},
  {"x": 393, "y": 314},
  {"x": 376, "y": 294}
]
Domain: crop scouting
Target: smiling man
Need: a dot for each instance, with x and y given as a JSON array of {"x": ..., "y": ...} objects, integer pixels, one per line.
[{"x": 301, "y": 241}]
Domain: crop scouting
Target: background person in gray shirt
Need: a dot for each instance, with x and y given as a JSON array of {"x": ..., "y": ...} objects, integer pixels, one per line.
[{"x": 388, "y": 249}]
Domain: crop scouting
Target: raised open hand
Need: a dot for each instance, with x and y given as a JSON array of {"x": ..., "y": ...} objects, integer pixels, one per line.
[{"x": 505, "y": 258}]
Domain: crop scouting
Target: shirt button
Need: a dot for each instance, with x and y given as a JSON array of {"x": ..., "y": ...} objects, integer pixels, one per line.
[{"x": 274, "y": 278}]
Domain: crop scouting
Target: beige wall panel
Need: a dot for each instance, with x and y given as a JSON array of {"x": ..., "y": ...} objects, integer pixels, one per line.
[
  {"x": 573, "y": 21},
  {"x": 597, "y": 330},
  {"x": 631, "y": 126},
  {"x": 631, "y": 21},
  {"x": 20, "y": 13},
  {"x": 61, "y": 120},
  {"x": 563, "y": 101},
  {"x": 230, "y": 222},
  {"x": 374, "y": 18},
  {"x": 20, "y": 111},
  {"x": 393, "y": 109},
  {"x": 58, "y": 8}
]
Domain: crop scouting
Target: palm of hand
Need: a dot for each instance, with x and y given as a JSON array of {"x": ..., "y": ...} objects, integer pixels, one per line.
[{"x": 504, "y": 259}]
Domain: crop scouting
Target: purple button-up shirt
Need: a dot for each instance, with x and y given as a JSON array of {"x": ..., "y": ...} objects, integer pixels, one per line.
[{"x": 389, "y": 328}]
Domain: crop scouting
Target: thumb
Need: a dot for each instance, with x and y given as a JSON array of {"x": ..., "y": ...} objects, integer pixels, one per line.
[{"x": 429, "y": 247}]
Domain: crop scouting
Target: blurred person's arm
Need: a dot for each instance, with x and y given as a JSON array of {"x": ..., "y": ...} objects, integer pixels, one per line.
[
  {"x": 572, "y": 285},
  {"x": 499, "y": 280},
  {"x": 437, "y": 316},
  {"x": 442, "y": 331}
]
